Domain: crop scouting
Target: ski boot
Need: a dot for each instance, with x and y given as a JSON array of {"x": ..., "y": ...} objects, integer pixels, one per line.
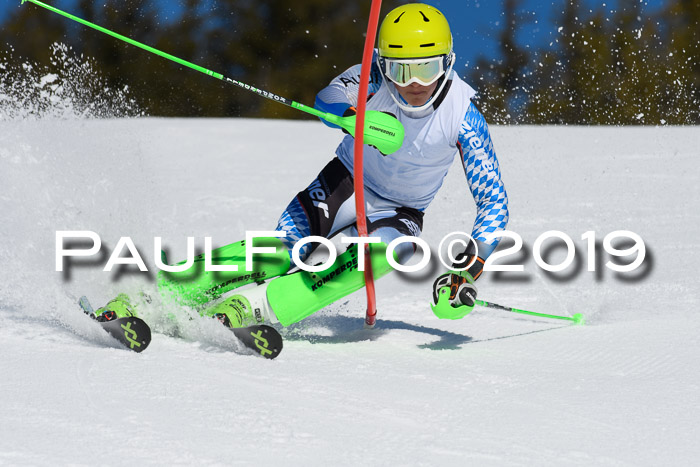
[
  {"x": 240, "y": 311},
  {"x": 244, "y": 315},
  {"x": 119, "y": 307},
  {"x": 234, "y": 312}
]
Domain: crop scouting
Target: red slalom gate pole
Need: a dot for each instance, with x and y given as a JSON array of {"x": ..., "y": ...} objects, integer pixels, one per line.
[{"x": 358, "y": 169}]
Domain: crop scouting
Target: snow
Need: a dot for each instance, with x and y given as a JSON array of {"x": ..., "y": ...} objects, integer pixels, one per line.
[{"x": 495, "y": 388}]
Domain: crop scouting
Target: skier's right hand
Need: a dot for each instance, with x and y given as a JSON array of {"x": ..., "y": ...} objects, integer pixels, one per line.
[{"x": 350, "y": 111}]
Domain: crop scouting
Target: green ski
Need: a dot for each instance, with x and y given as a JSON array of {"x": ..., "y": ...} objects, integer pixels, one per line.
[
  {"x": 261, "y": 339},
  {"x": 132, "y": 332}
]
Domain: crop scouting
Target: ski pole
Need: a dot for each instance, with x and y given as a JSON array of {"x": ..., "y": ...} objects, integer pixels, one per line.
[
  {"x": 444, "y": 310},
  {"x": 576, "y": 318},
  {"x": 380, "y": 130}
]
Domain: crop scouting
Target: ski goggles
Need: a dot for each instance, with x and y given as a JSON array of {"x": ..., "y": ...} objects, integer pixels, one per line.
[{"x": 403, "y": 72}]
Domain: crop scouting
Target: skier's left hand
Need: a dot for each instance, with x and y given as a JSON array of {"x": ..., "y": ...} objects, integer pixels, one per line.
[{"x": 462, "y": 288}]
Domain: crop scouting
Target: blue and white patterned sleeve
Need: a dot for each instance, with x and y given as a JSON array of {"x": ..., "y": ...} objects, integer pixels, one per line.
[
  {"x": 341, "y": 93},
  {"x": 484, "y": 178}
]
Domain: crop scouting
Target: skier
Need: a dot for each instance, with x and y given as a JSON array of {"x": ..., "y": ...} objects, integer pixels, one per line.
[{"x": 412, "y": 78}]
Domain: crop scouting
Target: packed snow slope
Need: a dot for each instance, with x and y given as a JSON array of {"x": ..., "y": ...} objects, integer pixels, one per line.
[{"x": 494, "y": 388}]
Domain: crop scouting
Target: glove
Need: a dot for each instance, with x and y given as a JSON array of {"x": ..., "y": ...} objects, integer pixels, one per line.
[
  {"x": 462, "y": 289},
  {"x": 350, "y": 111},
  {"x": 462, "y": 295},
  {"x": 461, "y": 283},
  {"x": 467, "y": 257}
]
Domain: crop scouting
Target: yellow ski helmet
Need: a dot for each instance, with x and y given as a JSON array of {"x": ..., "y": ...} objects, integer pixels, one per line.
[
  {"x": 415, "y": 46},
  {"x": 414, "y": 30}
]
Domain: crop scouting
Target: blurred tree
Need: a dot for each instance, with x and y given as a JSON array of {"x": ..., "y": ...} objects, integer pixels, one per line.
[
  {"x": 19, "y": 33},
  {"x": 611, "y": 65},
  {"x": 614, "y": 68},
  {"x": 500, "y": 80},
  {"x": 681, "y": 21},
  {"x": 291, "y": 48},
  {"x": 554, "y": 83}
]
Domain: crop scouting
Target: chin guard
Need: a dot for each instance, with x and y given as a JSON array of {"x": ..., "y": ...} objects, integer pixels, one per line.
[{"x": 444, "y": 310}]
